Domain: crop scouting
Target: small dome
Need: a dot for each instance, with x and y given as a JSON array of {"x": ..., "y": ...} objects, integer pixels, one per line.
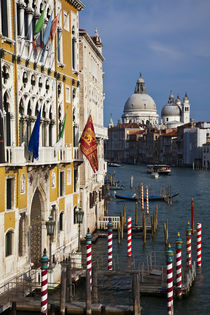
[
  {"x": 139, "y": 102},
  {"x": 170, "y": 110}
]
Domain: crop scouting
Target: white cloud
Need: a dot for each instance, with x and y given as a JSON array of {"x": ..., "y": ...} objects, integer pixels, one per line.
[{"x": 170, "y": 52}]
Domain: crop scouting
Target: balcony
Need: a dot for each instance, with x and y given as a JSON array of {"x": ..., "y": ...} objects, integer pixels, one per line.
[
  {"x": 14, "y": 155},
  {"x": 77, "y": 156},
  {"x": 47, "y": 155},
  {"x": 101, "y": 131}
]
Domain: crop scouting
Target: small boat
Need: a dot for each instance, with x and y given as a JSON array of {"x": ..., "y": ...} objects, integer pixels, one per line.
[
  {"x": 155, "y": 175},
  {"x": 162, "y": 169},
  {"x": 111, "y": 164},
  {"x": 151, "y": 198},
  {"x": 113, "y": 187}
]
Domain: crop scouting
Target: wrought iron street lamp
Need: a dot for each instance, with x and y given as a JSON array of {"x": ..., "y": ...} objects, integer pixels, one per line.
[
  {"x": 79, "y": 219},
  {"x": 50, "y": 224}
]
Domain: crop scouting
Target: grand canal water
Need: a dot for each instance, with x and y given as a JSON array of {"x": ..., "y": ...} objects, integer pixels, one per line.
[{"x": 190, "y": 184}]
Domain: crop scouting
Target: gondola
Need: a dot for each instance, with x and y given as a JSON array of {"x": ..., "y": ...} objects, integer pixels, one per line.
[{"x": 151, "y": 198}]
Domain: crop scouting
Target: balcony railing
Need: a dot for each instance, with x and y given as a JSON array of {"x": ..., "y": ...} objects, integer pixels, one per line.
[
  {"x": 77, "y": 156},
  {"x": 47, "y": 155},
  {"x": 101, "y": 131}
]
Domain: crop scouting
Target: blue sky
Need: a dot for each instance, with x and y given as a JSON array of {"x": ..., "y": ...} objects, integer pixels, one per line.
[{"x": 167, "y": 41}]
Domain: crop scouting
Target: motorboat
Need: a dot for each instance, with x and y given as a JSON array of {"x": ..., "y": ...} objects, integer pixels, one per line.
[{"x": 162, "y": 169}]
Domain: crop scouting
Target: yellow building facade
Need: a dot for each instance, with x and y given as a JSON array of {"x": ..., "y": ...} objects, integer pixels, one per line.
[{"x": 32, "y": 190}]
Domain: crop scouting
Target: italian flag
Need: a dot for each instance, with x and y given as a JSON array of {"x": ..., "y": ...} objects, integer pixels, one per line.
[{"x": 60, "y": 141}]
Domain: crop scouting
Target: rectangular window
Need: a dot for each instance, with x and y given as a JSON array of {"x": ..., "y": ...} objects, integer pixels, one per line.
[
  {"x": 10, "y": 183},
  {"x": 50, "y": 134},
  {"x": 75, "y": 179},
  {"x": 68, "y": 176},
  {"x": 59, "y": 45},
  {"x": 68, "y": 94},
  {"x": 4, "y": 18},
  {"x": 18, "y": 19},
  {"x": 61, "y": 183},
  {"x": 73, "y": 52},
  {"x": 8, "y": 129},
  {"x": 26, "y": 24},
  {"x": 66, "y": 21}
]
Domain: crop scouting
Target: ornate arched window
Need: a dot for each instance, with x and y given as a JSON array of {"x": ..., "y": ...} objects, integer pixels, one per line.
[
  {"x": 50, "y": 127},
  {"x": 21, "y": 122},
  {"x": 7, "y": 121},
  {"x": 44, "y": 127},
  {"x": 22, "y": 231},
  {"x": 61, "y": 221},
  {"x": 28, "y": 129},
  {"x": 9, "y": 243}
]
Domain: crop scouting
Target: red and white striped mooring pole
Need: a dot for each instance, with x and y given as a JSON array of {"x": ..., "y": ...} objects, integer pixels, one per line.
[
  {"x": 110, "y": 225},
  {"x": 179, "y": 265},
  {"x": 169, "y": 261},
  {"x": 44, "y": 288},
  {"x": 199, "y": 227},
  {"x": 89, "y": 254},
  {"x": 129, "y": 228},
  {"x": 188, "y": 236}
]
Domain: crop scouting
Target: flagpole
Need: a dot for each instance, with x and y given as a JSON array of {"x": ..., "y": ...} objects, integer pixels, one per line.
[{"x": 56, "y": 41}]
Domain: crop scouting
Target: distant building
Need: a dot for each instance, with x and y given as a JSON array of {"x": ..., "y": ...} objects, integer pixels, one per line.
[
  {"x": 194, "y": 139},
  {"x": 140, "y": 107},
  {"x": 175, "y": 113},
  {"x": 120, "y": 137}
]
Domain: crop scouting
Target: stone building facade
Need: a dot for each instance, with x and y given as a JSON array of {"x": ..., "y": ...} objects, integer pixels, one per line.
[
  {"x": 32, "y": 190},
  {"x": 91, "y": 102}
]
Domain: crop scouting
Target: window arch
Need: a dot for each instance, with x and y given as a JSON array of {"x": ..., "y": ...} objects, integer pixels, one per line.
[{"x": 9, "y": 243}]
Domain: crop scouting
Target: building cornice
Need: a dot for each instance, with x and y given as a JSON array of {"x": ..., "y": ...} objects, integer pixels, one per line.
[
  {"x": 77, "y": 4},
  {"x": 84, "y": 33}
]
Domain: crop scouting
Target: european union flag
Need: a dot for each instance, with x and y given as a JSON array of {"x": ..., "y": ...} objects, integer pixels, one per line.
[{"x": 34, "y": 140}]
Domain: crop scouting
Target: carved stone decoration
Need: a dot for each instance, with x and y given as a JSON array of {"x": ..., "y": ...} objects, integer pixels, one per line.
[
  {"x": 22, "y": 184},
  {"x": 30, "y": 179},
  {"x": 53, "y": 180}
]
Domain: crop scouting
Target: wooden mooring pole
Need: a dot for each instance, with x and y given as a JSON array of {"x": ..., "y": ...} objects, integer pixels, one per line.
[
  {"x": 136, "y": 295},
  {"x": 88, "y": 294},
  {"x": 136, "y": 214},
  {"x": 14, "y": 308},
  {"x": 52, "y": 309},
  {"x": 165, "y": 226},
  {"x": 124, "y": 214},
  {"x": 95, "y": 288},
  {"x": 63, "y": 288},
  {"x": 144, "y": 227},
  {"x": 69, "y": 281}
]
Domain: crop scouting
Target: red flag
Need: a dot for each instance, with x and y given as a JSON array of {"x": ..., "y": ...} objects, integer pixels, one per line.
[
  {"x": 53, "y": 27},
  {"x": 88, "y": 144}
]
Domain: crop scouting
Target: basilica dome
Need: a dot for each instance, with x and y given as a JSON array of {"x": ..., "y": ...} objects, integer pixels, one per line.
[
  {"x": 171, "y": 110},
  {"x": 140, "y": 107},
  {"x": 140, "y": 102}
]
